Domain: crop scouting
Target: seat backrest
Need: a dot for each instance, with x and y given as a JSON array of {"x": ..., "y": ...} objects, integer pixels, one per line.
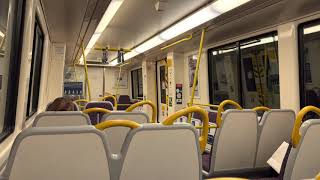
[
  {"x": 61, "y": 118},
  {"x": 274, "y": 128},
  {"x": 160, "y": 152},
  {"x": 124, "y": 102},
  {"x": 304, "y": 160},
  {"x": 117, "y": 135},
  {"x": 96, "y": 117},
  {"x": 124, "y": 99},
  {"x": 64, "y": 153},
  {"x": 235, "y": 142}
]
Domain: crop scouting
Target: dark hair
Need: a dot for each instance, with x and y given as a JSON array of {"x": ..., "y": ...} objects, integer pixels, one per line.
[{"x": 62, "y": 104}]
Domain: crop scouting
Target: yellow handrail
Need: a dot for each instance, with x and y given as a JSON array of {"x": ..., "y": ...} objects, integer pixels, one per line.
[
  {"x": 318, "y": 177},
  {"x": 205, "y": 121},
  {"x": 210, "y": 127},
  {"x": 221, "y": 109},
  {"x": 141, "y": 103},
  {"x": 206, "y": 105},
  {"x": 227, "y": 178},
  {"x": 114, "y": 99},
  {"x": 296, "y": 129},
  {"x": 96, "y": 110},
  {"x": 114, "y": 123},
  {"x": 177, "y": 42},
  {"x": 81, "y": 101},
  {"x": 86, "y": 71},
  {"x": 195, "y": 78},
  {"x": 261, "y": 108}
]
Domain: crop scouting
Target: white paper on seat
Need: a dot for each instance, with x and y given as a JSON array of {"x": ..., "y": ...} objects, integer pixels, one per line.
[{"x": 276, "y": 159}]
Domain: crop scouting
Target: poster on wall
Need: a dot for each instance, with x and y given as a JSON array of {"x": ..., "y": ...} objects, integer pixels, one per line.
[
  {"x": 122, "y": 79},
  {"x": 192, "y": 63}
]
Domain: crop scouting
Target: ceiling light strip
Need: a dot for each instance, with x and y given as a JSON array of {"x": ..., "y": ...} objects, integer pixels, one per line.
[
  {"x": 196, "y": 19},
  {"x": 105, "y": 20}
]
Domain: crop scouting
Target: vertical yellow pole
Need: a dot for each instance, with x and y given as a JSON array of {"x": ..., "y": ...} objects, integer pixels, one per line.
[
  {"x": 86, "y": 71},
  {"x": 118, "y": 83},
  {"x": 195, "y": 78}
]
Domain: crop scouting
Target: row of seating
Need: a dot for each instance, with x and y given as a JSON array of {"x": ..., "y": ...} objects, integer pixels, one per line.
[
  {"x": 83, "y": 152},
  {"x": 254, "y": 142}
]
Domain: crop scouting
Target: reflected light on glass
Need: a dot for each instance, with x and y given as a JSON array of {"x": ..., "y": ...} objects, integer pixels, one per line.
[
  {"x": 1, "y": 34},
  {"x": 312, "y": 29}
]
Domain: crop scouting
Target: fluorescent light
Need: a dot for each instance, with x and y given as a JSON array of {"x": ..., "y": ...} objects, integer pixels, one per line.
[
  {"x": 1, "y": 34},
  {"x": 194, "y": 20},
  {"x": 114, "y": 63},
  {"x": 261, "y": 41},
  {"x": 312, "y": 29},
  {"x": 223, "y": 6},
  {"x": 105, "y": 20},
  {"x": 108, "y": 15},
  {"x": 151, "y": 43}
]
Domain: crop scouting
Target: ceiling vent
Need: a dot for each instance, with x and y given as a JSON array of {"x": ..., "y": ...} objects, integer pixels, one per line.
[{"x": 161, "y": 5}]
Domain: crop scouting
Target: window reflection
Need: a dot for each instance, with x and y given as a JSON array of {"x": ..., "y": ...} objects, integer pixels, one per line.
[
  {"x": 260, "y": 73},
  {"x": 247, "y": 72},
  {"x": 309, "y": 56}
]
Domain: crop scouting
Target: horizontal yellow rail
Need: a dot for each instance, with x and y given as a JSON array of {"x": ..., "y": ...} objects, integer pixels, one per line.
[
  {"x": 261, "y": 108},
  {"x": 114, "y": 99},
  {"x": 177, "y": 42},
  {"x": 221, "y": 109},
  {"x": 206, "y": 105},
  {"x": 296, "y": 136},
  {"x": 96, "y": 110},
  {"x": 79, "y": 101},
  {"x": 141, "y": 103},
  {"x": 210, "y": 127},
  {"x": 204, "y": 117},
  {"x": 115, "y": 123}
]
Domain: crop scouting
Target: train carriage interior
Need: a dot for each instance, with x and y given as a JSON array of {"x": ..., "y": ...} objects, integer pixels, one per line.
[{"x": 159, "y": 89}]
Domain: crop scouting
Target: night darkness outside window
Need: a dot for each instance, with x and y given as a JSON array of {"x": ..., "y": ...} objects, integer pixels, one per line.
[
  {"x": 137, "y": 83},
  {"x": 35, "y": 73},
  {"x": 309, "y": 50},
  {"x": 246, "y": 71},
  {"x": 11, "y": 33}
]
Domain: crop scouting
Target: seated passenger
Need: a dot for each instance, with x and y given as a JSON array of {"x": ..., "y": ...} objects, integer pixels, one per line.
[{"x": 62, "y": 104}]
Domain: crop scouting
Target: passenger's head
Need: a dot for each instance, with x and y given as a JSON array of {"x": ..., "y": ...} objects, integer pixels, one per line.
[{"x": 62, "y": 104}]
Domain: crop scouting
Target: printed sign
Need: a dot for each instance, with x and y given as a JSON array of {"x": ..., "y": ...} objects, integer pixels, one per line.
[
  {"x": 73, "y": 88},
  {"x": 179, "y": 93}
]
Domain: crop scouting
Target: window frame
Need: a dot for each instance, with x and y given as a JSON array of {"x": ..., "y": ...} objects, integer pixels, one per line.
[
  {"x": 32, "y": 70},
  {"x": 132, "y": 88},
  {"x": 238, "y": 55},
  {"x": 14, "y": 68},
  {"x": 301, "y": 60}
]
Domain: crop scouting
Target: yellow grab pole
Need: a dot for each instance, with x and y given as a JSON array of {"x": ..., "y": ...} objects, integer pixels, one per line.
[
  {"x": 86, "y": 71},
  {"x": 195, "y": 78}
]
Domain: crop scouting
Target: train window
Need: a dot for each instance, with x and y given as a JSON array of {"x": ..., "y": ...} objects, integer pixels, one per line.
[
  {"x": 137, "y": 83},
  {"x": 260, "y": 72},
  {"x": 10, "y": 54},
  {"x": 247, "y": 72},
  {"x": 35, "y": 73},
  {"x": 309, "y": 48},
  {"x": 223, "y": 74}
]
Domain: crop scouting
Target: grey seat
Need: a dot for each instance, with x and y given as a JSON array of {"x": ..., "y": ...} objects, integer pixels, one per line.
[
  {"x": 275, "y": 127},
  {"x": 235, "y": 143},
  {"x": 63, "y": 153},
  {"x": 159, "y": 152},
  {"x": 117, "y": 135},
  {"x": 304, "y": 160},
  {"x": 61, "y": 118}
]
